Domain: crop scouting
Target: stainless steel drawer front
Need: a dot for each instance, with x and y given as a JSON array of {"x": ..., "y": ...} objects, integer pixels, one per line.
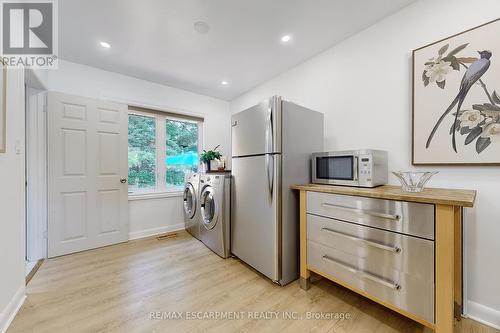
[
  {"x": 364, "y": 275},
  {"x": 381, "y": 251},
  {"x": 405, "y": 291},
  {"x": 381, "y": 246},
  {"x": 363, "y": 212},
  {"x": 405, "y": 217}
]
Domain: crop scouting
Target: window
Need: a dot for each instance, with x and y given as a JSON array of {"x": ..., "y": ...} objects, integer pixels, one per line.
[
  {"x": 181, "y": 151},
  {"x": 141, "y": 152},
  {"x": 162, "y": 148}
]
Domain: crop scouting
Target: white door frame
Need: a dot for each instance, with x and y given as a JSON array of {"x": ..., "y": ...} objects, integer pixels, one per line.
[{"x": 36, "y": 174}]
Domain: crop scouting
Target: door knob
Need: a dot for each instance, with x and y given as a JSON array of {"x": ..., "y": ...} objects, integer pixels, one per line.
[{"x": 123, "y": 180}]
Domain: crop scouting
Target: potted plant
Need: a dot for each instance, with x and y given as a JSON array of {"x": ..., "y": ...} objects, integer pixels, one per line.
[{"x": 210, "y": 156}]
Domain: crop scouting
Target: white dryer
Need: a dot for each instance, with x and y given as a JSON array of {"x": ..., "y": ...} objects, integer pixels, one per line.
[
  {"x": 215, "y": 212},
  {"x": 190, "y": 204}
]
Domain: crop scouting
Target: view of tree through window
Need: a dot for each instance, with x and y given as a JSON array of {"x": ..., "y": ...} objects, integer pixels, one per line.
[
  {"x": 159, "y": 161},
  {"x": 141, "y": 152},
  {"x": 181, "y": 150}
]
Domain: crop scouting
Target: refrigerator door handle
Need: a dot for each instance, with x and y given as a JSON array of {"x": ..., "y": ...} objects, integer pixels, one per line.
[
  {"x": 270, "y": 177},
  {"x": 269, "y": 131}
]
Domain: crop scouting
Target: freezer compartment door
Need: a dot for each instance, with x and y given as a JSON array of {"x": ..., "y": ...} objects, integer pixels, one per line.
[
  {"x": 257, "y": 130},
  {"x": 255, "y": 212}
]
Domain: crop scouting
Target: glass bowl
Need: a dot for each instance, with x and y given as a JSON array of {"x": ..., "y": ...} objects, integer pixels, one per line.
[{"x": 414, "y": 181}]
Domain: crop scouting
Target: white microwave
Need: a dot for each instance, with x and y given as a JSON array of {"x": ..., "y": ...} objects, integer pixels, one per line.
[{"x": 360, "y": 168}]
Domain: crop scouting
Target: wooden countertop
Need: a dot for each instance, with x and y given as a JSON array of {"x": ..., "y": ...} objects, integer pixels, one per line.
[{"x": 436, "y": 196}]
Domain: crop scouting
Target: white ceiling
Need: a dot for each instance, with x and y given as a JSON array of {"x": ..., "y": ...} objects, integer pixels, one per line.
[{"x": 155, "y": 40}]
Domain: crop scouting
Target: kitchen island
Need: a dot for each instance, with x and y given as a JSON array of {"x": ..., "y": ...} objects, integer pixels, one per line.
[{"x": 402, "y": 250}]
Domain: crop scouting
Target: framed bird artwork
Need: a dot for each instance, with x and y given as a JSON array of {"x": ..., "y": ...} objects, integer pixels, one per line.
[{"x": 456, "y": 99}]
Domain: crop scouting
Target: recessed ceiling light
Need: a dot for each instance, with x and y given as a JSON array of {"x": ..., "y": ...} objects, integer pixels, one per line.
[
  {"x": 286, "y": 38},
  {"x": 105, "y": 45},
  {"x": 201, "y": 27},
  {"x": 224, "y": 83}
]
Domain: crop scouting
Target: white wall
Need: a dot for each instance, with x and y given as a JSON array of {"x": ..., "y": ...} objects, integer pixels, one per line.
[
  {"x": 12, "y": 224},
  {"x": 363, "y": 85},
  {"x": 152, "y": 215}
]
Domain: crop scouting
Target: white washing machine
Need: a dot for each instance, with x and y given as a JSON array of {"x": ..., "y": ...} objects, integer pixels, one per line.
[
  {"x": 190, "y": 204},
  {"x": 215, "y": 212}
]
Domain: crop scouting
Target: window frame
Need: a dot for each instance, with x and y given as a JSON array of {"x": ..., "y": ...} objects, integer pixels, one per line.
[{"x": 161, "y": 189}]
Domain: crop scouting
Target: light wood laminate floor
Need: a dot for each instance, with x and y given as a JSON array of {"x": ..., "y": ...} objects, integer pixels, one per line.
[{"x": 116, "y": 288}]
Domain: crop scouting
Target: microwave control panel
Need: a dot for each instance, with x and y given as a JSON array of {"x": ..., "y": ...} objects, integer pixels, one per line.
[{"x": 365, "y": 169}]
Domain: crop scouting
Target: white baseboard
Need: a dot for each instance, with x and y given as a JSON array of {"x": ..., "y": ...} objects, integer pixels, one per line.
[
  {"x": 155, "y": 231},
  {"x": 10, "y": 311},
  {"x": 483, "y": 314}
]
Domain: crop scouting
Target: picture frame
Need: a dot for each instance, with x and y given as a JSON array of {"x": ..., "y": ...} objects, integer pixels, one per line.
[
  {"x": 456, "y": 99},
  {"x": 3, "y": 108}
]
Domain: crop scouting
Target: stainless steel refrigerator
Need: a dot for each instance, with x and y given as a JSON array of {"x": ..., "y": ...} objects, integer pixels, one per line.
[{"x": 271, "y": 147}]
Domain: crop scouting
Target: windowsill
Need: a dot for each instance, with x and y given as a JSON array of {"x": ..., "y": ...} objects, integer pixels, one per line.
[{"x": 154, "y": 195}]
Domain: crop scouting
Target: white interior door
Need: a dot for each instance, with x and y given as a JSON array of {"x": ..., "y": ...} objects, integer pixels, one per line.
[{"x": 87, "y": 161}]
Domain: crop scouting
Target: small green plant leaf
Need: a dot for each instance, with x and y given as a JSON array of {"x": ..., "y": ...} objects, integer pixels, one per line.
[
  {"x": 441, "y": 84},
  {"x": 210, "y": 155}
]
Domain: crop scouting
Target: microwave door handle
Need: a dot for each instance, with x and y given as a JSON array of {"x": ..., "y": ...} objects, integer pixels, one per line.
[{"x": 355, "y": 168}]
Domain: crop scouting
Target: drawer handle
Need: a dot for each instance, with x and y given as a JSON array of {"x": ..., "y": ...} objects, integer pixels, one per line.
[
  {"x": 363, "y": 211},
  {"x": 364, "y": 275},
  {"x": 389, "y": 248}
]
